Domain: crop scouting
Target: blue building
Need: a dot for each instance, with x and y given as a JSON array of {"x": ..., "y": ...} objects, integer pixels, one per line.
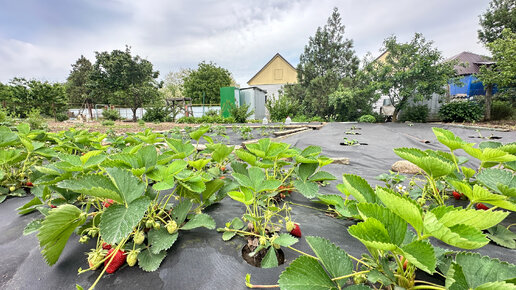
[{"x": 468, "y": 65}]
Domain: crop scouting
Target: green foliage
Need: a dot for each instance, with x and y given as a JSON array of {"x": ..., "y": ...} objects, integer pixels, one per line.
[
  {"x": 503, "y": 50},
  {"x": 240, "y": 114},
  {"x": 206, "y": 120},
  {"x": 501, "y": 14},
  {"x": 21, "y": 96},
  {"x": 206, "y": 81},
  {"x": 62, "y": 116},
  {"x": 462, "y": 111},
  {"x": 415, "y": 113},
  {"x": 77, "y": 83},
  {"x": 35, "y": 120},
  {"x": 327, "y": 59},
  {"x": 127, "y": 80},
  {"x": 367, "y": 119},
  {"x": 108, "y": 123},
  {"x": 111, "y": 114},
  {"x": 413, "y": 70},
  {"x": 157, "y": 114},
  {"x": 282, "y": 107},
  {"x": 502, "y": 110}
]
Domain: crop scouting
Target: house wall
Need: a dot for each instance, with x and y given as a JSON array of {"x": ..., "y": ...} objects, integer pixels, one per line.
[{"x": 277, "y": 72}]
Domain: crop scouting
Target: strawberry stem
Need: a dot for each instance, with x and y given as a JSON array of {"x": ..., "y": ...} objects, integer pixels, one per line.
[
  {"x": 303, "y": 253},
  {"x": 350, "y": 275}
]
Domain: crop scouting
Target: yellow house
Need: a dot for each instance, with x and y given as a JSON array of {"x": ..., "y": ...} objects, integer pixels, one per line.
[{"x": 274, "y": 75}]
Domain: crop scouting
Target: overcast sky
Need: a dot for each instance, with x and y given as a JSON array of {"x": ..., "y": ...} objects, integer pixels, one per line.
[{"x": 41, "y": 38}]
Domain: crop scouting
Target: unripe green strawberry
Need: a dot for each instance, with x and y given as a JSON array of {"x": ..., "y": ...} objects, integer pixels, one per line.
[
  {"x": 139, "y": 237},
  {"x": 156, "y": 226},
  {"x": 263, "y": 241},
  {"x": 149, "y": 223},
  {"x": 132, "y": 258},
  {"x": 171, "y": 226},
  {"x": 84, "y": 239},
  {"x": 94, "y": 258},
  {"x": 12, "y": 188}
]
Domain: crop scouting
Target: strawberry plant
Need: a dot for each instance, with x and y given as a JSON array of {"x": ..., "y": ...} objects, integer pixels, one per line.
[{"x": 273, "y": 164}]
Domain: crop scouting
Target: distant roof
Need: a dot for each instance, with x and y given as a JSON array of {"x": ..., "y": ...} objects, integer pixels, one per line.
[
  {"x": 472, "y": 62},
  {"x": 275, "y": 56}
]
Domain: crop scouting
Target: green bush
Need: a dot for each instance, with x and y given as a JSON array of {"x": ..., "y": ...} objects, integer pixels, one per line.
[
  {"x": 6, "y": 119},
  {"x": 282, "y": 107},
  {"x": 157, "y": 114},
  {"x": 108, "y": 123},
  {"x": 62, "y": 116},
  {"x": 378, "y": 117},
  {"x": 502, "y": 110},
  {"x": 417, "y": 114},
  {"x": 111, "y": 114},
  {"x": 241, "y": 113},
  {"x": 462, "y": 111},
  {"x": 367, "y": 119},
  {"x": 206, "y": 120},
  {"x": 35, "y": 120},
  {"x": 212, "y": 113}
]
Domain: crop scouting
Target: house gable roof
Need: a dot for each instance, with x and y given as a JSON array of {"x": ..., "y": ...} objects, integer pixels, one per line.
[
  {"x": 269, "y": 62},
  {"x": 469, "y": 63}
]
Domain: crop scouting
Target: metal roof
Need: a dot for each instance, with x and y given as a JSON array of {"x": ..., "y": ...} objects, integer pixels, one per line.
[{"x": 469, "y": 63}]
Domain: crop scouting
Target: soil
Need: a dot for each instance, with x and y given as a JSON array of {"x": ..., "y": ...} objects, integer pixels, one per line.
[
  {"x": 256, "y": 260},
  {"x": 509, "y": 125},
  {"x": 119, "y": 127}
]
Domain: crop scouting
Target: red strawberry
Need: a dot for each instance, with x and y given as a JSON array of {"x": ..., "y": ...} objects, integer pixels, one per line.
[
  {"x": 296, "y": 231},
  {"x": 108, "y": 202},
  {"x": 457, "y": 195},
  {"x": 52, "y": 206},
  {"x": 222, "y": 177},
  {"x": 118, "y": 261},
  {"x": 223, "y": 168},
  {"x": 481, "y": 206},
  {"x": 29, "y": 184},
  {"x": 404, "y": 263},
  {"x": 106, "y": 246}
]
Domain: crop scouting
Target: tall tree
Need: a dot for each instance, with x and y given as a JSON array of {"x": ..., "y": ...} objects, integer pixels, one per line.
[
  {"x": 206, "y": 81},
  {"x": 503, "y": 72},
  {"x": 77, "y": 87},
  {"x": 411, "y": 70},
  {"x": 501, "y": 14},
  {"x": 173, "y": 86},
  {"x": 129, "y": 80},
  {"x": 327, "y": 59}
]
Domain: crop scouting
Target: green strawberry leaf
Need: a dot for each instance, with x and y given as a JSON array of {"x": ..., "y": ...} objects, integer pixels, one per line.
[
  {"x": 305, "y": 273},
  {"x": 404, "y": 207},
  {"x": 118, "y": 221},
  {"x": 334, "y": 260},
  {"x": 128, "y": 185},
  {"x": 502, "y": 236},
  {"x": 56, "y": 229},
  {"x": 448, "y": 139},
  {"x": 357, "y": 187},
  {"x": 270, "y": 260},
  {"x": 199, "y": 220},
  {"x": 307, "y": 188},
  {"x": 150, "y": 262},
  {"x": 226, "y": 236},
  {"x": 180, "y": 211},
  {"x": 94, "y": 185},
  {"x": 493, "y": 177},
  {"x": 421, "y": 254},
  {"x": 479, "y": 219},
  {"x": 372, "y": 233},
  {"x": 461, "y": 236},
  {"x": 32, "y": 227},
  {"x": 285, "y": 240},
  {"x": 306, "y": 170},
  {"x": 479, "y": 270},
  {"x": 161, "y": 240},
  {"x": 395, "y": 226}
]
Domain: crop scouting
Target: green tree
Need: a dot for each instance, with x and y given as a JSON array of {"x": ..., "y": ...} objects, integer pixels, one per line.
[
  {"x": 77, "y": 87},
  {"x": 127, "y": 80},
  {"x": 173, "y": 84},
  {"x": 501, "y": 14},
  {"x": 206, "y": 80},
  {"x": 327, "y": 59},
  {"x": 413, "y": 70},
  {"x": 503, "y": 73}
]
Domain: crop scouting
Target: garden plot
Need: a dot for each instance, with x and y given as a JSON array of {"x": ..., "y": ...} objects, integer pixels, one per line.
[{"x": 200, "y": 259}]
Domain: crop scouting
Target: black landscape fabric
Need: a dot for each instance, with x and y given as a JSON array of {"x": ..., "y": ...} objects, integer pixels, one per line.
[{"x": 200, "y": 259}]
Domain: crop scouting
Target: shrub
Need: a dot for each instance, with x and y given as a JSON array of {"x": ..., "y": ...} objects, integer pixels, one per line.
[
  {"x": 111, "y": 114},
  {"x": 35, "y": 120},
  {"x": 282, "y": 107},
  {"x": 378, "y": 117},
  {"x": 241, "y": 113},
  {"x": 367, "y": 119},
  {"x": 141, "y": 123},
  {"x": 62, "y": 116},
  {"x": 6, "y": 119},
  {"x": 462, "y": 111},
  {"x": 186, "y": 120},
  {"x": 416, "y": 113},
  {"x": 108, "y": 123},
  {"x": 157, "y": 114},
  {"x": 212, "y": 113},
  {"x": 502, "y": 110}
]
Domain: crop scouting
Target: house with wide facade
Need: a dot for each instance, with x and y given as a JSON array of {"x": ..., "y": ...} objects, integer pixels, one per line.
[{"x": 274, "y": 75}]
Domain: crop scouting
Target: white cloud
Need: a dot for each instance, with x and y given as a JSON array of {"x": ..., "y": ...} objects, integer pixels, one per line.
[{"x": 238, "y": 35}]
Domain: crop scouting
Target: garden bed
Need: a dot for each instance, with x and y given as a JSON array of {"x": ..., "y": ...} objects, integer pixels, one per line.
[{"x": 200, "y": 259}]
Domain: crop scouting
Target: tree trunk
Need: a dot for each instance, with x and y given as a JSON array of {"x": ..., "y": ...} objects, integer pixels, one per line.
[
  {"x": 489, "y": 99},
  {"x": 395, "y": 115},
  {"x": 134, "y": 114}
]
